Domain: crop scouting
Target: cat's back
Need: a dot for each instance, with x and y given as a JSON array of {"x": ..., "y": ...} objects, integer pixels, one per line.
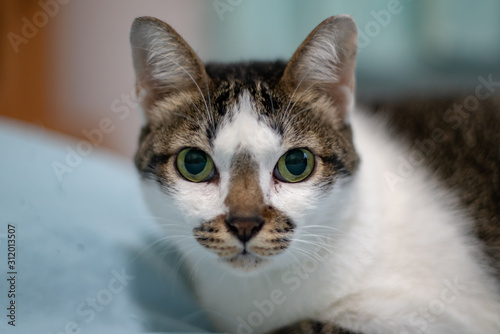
[{"x": 458, "y": 140}]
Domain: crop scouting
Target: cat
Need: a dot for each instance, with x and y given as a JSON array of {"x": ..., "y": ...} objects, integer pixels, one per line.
[{"x": 286, "y": 202}]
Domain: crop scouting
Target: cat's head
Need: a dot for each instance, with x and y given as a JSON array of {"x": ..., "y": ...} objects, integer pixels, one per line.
[{"x": 246, "y": 158}]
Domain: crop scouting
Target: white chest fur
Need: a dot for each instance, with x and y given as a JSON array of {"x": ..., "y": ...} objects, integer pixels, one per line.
[{"x": 405, "y": 263}]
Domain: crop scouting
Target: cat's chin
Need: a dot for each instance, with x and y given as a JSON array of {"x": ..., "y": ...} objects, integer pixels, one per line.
[{"x": 245, "y": 263}]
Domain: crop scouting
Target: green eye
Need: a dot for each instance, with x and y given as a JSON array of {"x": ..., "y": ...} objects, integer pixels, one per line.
[
  {"x": 295, "y": 165},
  {"x": 195, "y": 165}
]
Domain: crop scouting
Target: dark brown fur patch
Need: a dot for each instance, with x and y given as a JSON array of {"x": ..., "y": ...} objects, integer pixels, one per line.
[
  {"x": 312, "y": 327},
  {"x": 461, "y": 146}
]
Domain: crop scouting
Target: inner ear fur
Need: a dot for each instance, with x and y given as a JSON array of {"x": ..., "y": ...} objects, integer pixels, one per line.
[
  {"x": 324, "y": 64},
  {"x": 164, "y": 63}
]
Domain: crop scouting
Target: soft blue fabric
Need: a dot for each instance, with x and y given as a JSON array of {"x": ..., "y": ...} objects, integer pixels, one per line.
[{"x": 86, "y": 257}]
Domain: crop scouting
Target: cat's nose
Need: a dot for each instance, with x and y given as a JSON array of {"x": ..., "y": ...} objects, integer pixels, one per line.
[{"x": 244, "y": 227}]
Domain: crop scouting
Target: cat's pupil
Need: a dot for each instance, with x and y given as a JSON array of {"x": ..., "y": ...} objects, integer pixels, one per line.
[
  {"x": 195, "y": 161},
  {"x": 296, "y": 162}
]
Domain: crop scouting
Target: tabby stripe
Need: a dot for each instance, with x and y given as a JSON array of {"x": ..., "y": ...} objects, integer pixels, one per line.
[
  {"x": 154, "y": 161},
  {"x": 338, "y": 165}
]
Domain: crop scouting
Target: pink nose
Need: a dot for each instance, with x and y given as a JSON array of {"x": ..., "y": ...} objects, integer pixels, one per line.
[{"x": 244, "y": 228}]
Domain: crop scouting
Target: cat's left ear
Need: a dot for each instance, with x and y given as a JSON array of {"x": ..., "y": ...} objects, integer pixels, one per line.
[{"x": 325, "y": 63}]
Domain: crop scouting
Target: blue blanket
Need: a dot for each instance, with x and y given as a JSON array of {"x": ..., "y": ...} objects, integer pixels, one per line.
[{"x": 79, "y": 252}]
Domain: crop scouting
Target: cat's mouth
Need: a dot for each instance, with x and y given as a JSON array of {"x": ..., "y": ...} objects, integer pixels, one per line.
[
  {"x": 245, "y": 261},
  {"x": 250, "y": 247}
]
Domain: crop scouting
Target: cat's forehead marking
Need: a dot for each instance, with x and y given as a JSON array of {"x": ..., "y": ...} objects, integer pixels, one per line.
[{"x": 244, "y": 131}]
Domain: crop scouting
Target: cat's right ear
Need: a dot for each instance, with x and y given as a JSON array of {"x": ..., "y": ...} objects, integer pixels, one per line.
[{"x": 164, "y": 63}]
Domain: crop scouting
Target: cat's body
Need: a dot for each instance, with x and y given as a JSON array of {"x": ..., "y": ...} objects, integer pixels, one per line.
[
  {"x": 360, "y": 242},
  {"x": 464, "y": 161}
]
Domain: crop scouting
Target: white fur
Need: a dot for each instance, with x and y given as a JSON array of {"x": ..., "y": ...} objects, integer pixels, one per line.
[
  {"x": 387, "y": 254},
  {"x": 245, "y": 132}
]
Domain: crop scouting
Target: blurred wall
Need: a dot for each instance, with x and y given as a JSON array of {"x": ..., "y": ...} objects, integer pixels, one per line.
[
  {"x": 405, "y": 47},
  {"x": 76, "y": 69},
  {"x": 23, "y": 71},
  {"x": 70, "y": 66}
]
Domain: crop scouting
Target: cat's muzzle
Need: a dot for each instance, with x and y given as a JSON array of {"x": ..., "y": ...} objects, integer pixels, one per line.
[{"x": 246, "y": 241}]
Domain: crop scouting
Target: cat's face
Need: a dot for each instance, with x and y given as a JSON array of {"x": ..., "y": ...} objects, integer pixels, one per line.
[{"x": 245, "y": 156}]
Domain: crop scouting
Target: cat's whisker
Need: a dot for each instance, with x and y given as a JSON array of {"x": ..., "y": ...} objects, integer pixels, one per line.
[
  {"x": 152, "y": 244},
  {"x": 153, "y": 217},
  {"x": 299, "y": 113},
  {"x": 290, "y": 120},
  {"x": 180, "y": 227},
  {"x": 324, "y": 234},
  {"x": 335, "y": 232},
  {"x": 196, "y": 121},
  {"x": 192, "y": 102},
  {"x": 271, "y": 98},
  {"x": 182, "y": 258},
  {"x": 169, "y": 248},
  {"x": 290, "y": 255},
  {"x": 290, "y": 258},
  {"x": 309, "y": 251},
  {"x": 322, "y": 226},
  {"x": 171, "y": 228},
  {"x": 173, "y": 236},
  {"x": 174, "y": 223},
  {"x": 160, "y": 219},
  {"x": 211, "y": 118},
  {"x": 285, "y": 113},
  {"x": 184, "y": 96},
  {"x": 319, "y": 237},
  {"x": 314, "y": 255},
  {"x": 195, "y": 267},
  {"x": 329, "y": 234},
  {"x": 317, "y": 246}
]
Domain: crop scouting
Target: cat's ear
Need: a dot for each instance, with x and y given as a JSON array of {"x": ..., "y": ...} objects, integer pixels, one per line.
[
  {"x": 164, "y": 63},
  {"x": 325, "y": 63}
]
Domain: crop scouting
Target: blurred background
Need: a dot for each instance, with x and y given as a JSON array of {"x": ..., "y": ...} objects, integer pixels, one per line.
[{"x": 65, "y": 64}]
